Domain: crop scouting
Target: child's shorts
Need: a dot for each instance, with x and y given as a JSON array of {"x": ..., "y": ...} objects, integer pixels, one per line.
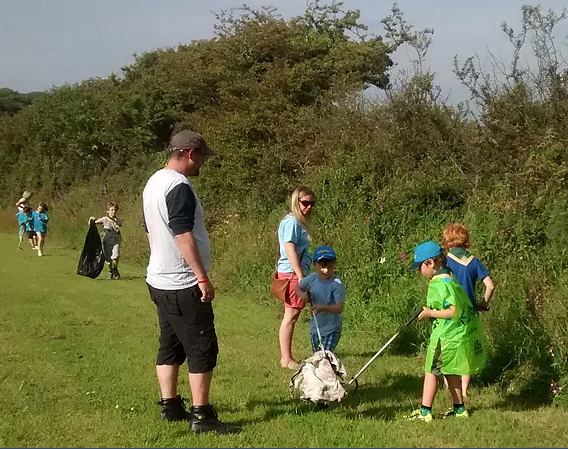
[
  {"x": 111, "y": 250},
  {"x": 294, "y": 301},
  {"x": 434, "y": 363},
  {"x": 31, "y": 234},
  {"x": 21, "y": 231},
  {"x": 329, "y": 341}
]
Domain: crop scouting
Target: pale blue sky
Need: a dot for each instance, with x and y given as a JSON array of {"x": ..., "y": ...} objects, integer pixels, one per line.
[{"x": 50, "y": 43}]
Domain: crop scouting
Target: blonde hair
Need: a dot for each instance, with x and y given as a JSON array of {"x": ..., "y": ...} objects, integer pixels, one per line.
[
  {"x": 300, "y": 192},
  {"x": 455, "y": 235}
]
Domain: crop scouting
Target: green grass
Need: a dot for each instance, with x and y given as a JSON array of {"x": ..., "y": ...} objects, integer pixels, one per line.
[{"x": 78, "y": 370}]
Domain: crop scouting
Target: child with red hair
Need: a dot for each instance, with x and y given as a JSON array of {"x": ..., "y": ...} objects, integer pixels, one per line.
[{"x": 467, "y": 269}]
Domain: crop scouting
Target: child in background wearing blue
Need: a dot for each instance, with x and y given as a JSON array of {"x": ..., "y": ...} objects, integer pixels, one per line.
[
  {"x": 29, "y": 227},
  {"x": 21, "y": 216},
  {"x": 467, "y": 270},
  {"x": 327, "y": 296},
  {"x": 40, "y": 225},
  {"x": 25, "y": 225}
]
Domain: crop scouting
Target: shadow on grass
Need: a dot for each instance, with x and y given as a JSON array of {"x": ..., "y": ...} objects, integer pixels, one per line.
[
  {"x": 395, "y": 389},
  {"x": 521, "y": 403},
  {"x": 369, "y": 400},
  {"x": 103, "y": 277},
  {"x": 364, "y": 354}
]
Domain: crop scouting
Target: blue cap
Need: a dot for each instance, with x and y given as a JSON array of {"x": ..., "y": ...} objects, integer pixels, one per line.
[
  {"x": 425, "y": 251},
  {"x": 324, "y": 252}
]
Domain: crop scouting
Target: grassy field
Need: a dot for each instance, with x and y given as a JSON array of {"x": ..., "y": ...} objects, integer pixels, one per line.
[{"x": 78, "y": 370}]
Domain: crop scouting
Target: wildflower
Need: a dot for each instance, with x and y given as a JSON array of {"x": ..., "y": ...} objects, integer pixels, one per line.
[
  {"x": 403, "y": 256},
  {"x": 382, "y": 260}
]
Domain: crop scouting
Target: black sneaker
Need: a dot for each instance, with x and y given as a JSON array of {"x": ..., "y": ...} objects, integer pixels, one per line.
[
  {"x": 174, "y": 409},
  {"x": 204, "y": 419},
  {"x": 116, "y": 273}
]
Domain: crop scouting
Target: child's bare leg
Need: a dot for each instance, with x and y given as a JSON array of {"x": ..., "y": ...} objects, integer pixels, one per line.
[
  {"x": 40, "y": 242},
  {"x": 429, "y": 390},
  {"x": 455, "y": 385},
  {"x": 465, "y": 385}
]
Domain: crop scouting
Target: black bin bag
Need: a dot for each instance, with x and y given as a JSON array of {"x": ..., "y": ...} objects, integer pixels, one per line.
[{"x": 92, "y": 260}]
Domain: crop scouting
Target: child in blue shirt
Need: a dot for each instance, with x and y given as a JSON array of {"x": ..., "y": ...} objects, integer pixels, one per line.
[
  {"x": 40, "y": 226},
  {"x": 25, "y": 225},
  {"x": 327, "y": 297},
  {"x": 468, "y": 270},
  {"x": 21, "y": 216},
  {"x": 30, "y": 227}
]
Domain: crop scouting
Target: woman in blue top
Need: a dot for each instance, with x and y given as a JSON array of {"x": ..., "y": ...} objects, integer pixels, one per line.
[
  {"x": 40, "y": 225},
  {"x": 294, "y": 263}
]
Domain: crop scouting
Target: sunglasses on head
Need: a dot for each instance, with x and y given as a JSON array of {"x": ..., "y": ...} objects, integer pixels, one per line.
[{"x": 307, "y": 203}]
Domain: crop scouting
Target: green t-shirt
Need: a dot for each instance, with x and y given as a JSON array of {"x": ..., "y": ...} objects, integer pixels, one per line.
[{"x": 458, "y": 343}]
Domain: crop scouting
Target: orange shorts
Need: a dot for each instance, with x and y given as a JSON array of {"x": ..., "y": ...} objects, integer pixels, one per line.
[{"x": 293, "y": 302}]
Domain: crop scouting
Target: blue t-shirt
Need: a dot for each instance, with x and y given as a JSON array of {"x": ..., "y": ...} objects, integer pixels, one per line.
[
  {"x": 291, "y": 230},
  {"x": 325, "y": 293},
  {"x": 30, "y": 222},
  {"x": 21, "y": 218},
  {"x": 467, "y": 272},
  {"x": 40, "y": 221}
]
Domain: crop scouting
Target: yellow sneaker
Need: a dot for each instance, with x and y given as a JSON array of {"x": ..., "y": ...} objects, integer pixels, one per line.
[
  {"x": 420, "y": 416},
  {"x": 451, "y": 413}
]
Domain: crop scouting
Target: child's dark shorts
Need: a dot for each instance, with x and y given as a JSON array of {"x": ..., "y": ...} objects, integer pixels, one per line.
[
  {"x": 436, "y": 368},
  {"x": 31, "y": 234},
  {"x": 187, "y": 329}
]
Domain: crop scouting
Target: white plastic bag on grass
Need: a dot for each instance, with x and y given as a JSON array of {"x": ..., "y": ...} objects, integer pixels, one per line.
[{"x": 320, "y": 379}]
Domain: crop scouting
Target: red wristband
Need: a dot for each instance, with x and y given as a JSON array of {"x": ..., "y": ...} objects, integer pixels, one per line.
[{"x": 203, "y": 281}]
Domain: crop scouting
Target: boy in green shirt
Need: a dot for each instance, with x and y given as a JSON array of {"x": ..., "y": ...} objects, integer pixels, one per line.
[{"x": 457, "y": 343}]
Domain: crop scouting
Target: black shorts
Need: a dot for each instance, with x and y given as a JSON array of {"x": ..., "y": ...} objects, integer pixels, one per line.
[
  {"x": 187, "y": 329},
  {"x": 31, "y": 234},
  {"x": 436, "y": 368}
]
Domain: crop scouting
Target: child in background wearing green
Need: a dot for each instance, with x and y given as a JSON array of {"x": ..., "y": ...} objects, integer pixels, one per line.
[{"x": 457, "y": 344}]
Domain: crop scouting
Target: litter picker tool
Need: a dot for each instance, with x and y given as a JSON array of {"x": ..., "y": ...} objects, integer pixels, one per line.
[{"x": 408, "y": 323}]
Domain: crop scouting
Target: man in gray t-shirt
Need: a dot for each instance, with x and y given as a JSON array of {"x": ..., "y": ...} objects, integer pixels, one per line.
[{"x": 179, "y": 285}]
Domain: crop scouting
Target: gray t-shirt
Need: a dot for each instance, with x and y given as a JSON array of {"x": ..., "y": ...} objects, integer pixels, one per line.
[
  {"x": 171, "y": 207},
  {"x": 111, "y": 228}
]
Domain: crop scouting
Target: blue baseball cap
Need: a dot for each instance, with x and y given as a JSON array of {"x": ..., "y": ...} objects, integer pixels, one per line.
[
  {"x": 425, "y": 251},
  {"x": 324, "y": 252}
]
